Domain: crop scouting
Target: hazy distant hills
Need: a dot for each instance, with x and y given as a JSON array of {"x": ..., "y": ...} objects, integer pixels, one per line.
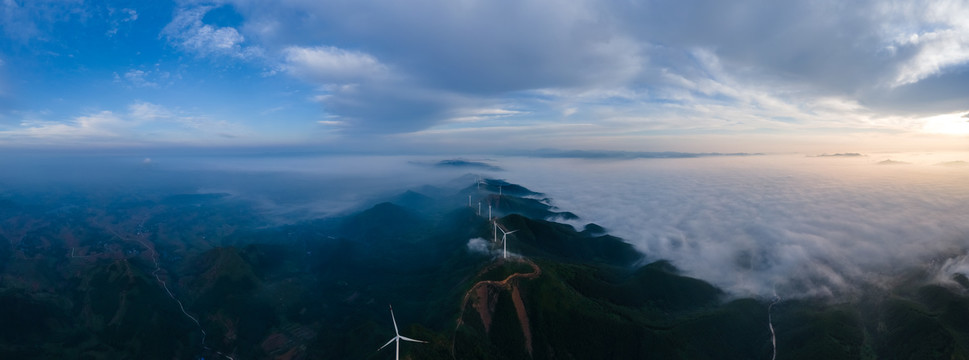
[
  {"x": 80, "y": 279},
  {"x": 469, "y": 164}
]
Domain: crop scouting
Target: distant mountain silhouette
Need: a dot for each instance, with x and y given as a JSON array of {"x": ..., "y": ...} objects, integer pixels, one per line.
[{"x": 459, "y": 163}]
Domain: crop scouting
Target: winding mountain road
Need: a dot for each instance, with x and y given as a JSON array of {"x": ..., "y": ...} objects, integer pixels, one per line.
[{"x": 485, "y": 293}]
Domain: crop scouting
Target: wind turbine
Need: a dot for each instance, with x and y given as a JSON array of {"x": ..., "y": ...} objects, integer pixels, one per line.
[
  {"x": 397, "y": 336},
  {"x": 504, "y": 240},
  {"x": 496, "y": 230}
]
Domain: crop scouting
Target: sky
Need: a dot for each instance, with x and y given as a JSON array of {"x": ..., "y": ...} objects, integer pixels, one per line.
[{"x": 495, "y": 76}]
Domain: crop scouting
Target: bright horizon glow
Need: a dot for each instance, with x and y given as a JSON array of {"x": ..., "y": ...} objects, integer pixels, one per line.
[
  {"x": 948, "y": 124},
  {"x": 433, "y": 77}
]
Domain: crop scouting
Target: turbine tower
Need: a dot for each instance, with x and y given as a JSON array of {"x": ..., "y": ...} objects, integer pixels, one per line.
[
  {"x": 504, "y": 241},
  {"x": 397, "y": 336},
  {"x": 496, "y": 230}
]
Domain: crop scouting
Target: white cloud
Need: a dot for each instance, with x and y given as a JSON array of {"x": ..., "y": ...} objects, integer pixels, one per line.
[
  {"x": 476, "y": 115},
  {"x": 136, "y": 78},
  {"x": 937, "y": 51},
  {"x": 132, "y": 15},
  {"x": 704, "y": 95},
  {"x": 635, "y": 67},
  {"x": 481, "y": 246},
  {"x": 805, "y": 226},
  {"x": 104, "y": 124},
  {"x": 17, "y": 20},
  {"x": 140, "y": 78},
  {"x": 937, "y": 33},
  {"x": 189, "y": 33},
  {"x": 145, "y": 111},
  {"x": 331, "y": 65},
  {"x": 952, "y": 267},
  {"x": 142, "y": 122},
  {"x": 100, "y": 125},
  {"x": 28, "y": 21},
  {"x": 119, "y": 17}
]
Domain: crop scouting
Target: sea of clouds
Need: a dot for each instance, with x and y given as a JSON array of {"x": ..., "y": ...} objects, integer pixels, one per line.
[
  {"x": 798, "y": 225},
  {"x": 801, "y": 226}
]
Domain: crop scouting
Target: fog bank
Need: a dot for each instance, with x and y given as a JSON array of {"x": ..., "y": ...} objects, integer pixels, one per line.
[
  {"x": 800, "y": 225},
  {"x": 805, "y": 226}
]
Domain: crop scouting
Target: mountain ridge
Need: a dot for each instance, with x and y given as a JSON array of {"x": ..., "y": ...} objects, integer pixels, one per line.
[{"x": 82, "y": 282}]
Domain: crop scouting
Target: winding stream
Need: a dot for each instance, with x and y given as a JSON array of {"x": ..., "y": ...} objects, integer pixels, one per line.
[
  {"x": 154, "y": 260},
  {"x": 770, "y": 324}
]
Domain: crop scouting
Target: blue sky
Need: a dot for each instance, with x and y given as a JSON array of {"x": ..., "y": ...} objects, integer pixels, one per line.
[{"x": 444, "y": 76}]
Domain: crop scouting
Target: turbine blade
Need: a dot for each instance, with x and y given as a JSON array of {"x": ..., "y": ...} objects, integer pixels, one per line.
[
  {"x": 388, "y": 343},
  {"x": 392, "y": 318},
  {"x": 512, "y": 232},
  {"x": 409, "y": 339}
]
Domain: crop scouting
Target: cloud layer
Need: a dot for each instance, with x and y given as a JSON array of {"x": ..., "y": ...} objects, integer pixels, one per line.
[
  {"x": 444, "y": 75},
  {"x": 752, "y": 225},
  {"x": 188, "y": 32},
  {"x": 750, "y": 63},
  {"x": 140, "y": 123}
]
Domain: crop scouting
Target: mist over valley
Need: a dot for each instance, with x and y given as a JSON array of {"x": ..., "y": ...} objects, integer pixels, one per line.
[{"x": 286, "y": 255}]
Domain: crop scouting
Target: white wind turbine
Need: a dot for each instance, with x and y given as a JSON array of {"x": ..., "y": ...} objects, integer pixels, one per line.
[
  {"x": 496, "y": 230},
  {"x": 504, "y": 240},
  {"x": 398, "y": 337}
]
